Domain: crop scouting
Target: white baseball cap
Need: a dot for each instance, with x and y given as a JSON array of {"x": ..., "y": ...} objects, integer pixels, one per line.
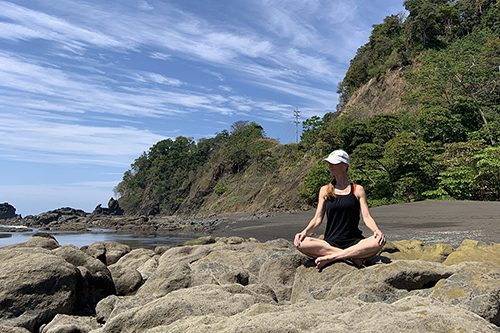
[{"x": 337, "y": 156}]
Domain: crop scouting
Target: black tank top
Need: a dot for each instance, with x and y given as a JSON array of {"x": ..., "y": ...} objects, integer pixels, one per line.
[{"x": 342, "y": 213}]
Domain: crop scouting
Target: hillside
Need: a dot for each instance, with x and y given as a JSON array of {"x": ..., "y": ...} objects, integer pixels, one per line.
[{"x": 418, "y": 113}]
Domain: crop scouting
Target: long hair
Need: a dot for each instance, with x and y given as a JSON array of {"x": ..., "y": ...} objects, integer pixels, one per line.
[{"x": 330, "y": 190}]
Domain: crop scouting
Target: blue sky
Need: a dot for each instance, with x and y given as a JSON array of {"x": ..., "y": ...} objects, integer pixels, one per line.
[{"x": 87, "y": 86}]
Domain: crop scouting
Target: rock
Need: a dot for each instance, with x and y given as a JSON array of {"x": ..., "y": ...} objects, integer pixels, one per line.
[
  {"x": 70, "y": 324},
  {"x": 113, "y": 208},
  {"x": 279, "y": 273},
  {"x": 475, "y": 288},
  {"x": 10, "y": 329},
  {"x": 107, "y": 252},
  {"x": 105, "y": 307},
  {"x": 126, "y": 280},
  {"x": 390, "y": 282},
  {"x": 470, "y": 250},
  {"x": 201, "y": 241},
  {"x": 57, "y": 216},
  {"x": 36, "y": 285},
  {"x": 95, "y": 281},
  {"x": 417, "y": 250},
  {"x": 343, "y": 315},
  {"x": 224, "y": 300},
  {"x": 7, "y": 211},
  {"x": 310, "y": 284},
  {"x": 143, "y": 260},
  {"x": 42, "y": 241}
]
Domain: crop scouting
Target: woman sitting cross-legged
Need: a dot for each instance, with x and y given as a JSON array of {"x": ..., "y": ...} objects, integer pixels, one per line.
[{"x": 342, "y": 203}]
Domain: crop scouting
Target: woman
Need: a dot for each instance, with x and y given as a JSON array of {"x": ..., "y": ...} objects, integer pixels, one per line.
[{"x": 342, "y": 203}]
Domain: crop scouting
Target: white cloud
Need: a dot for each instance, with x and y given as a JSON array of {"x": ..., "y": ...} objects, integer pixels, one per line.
[
  {"x": 160, "y": 56},
  {"x": 158, "y": 78},
  {"x": 50, "y": 142},
  {"x": 34, "y": 24}
]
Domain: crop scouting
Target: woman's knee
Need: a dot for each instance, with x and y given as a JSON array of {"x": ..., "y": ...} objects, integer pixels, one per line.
[{"x": 373, "y": 243}]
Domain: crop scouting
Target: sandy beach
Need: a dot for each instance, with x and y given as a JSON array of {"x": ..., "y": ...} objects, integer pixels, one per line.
[{"x": 430, "y": 221}]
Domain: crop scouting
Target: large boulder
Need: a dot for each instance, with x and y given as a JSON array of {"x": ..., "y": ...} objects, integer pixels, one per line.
[
  {"x": 391, "y": 282},
  {"x": 131, "y": 270},
  {"x": 70, "y": 324},
  {"x": 107, "y": 252},
  {"x": 7, "y": 211},
  {"x": 42, "y": 240},
  {"x": 224, "y": 300},
  {"x": 95, "y": 282},
  {"x": 310, "y": 284},
  {"x": 35, "y": 286},
  {"x": 475, "y": 288}
]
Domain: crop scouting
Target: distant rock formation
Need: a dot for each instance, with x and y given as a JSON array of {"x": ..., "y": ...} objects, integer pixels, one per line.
[
  {"x": 113, "y": 208},
  {"x": 7, "y": 211},
  {"x": 56, "y": 217}
]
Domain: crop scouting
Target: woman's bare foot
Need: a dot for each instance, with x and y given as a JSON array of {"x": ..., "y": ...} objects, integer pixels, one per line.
[{"x": 322, "y": 261}]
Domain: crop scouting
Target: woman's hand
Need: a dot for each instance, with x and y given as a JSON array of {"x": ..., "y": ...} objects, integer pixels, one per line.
[
  {"x": 299, "y": 238},
  {"x": 379, "y": 236}
]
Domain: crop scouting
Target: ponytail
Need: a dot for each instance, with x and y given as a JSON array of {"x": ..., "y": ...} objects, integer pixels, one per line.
[{"x": 330, "y": 190}]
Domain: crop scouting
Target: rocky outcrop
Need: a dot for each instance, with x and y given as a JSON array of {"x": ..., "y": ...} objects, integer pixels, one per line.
[
  {"x": 235, "y": 284},
  {"x": 113, "y": 208},
  {"x": 7, "y": 211},
  {"x": 57, "y": 217}
]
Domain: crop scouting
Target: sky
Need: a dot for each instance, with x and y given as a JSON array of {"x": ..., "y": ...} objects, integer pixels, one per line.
[{"x": 88, "y": 86}]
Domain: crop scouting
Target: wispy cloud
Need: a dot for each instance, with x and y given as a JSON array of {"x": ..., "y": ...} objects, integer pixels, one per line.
[{"x": 51, "y": 142}]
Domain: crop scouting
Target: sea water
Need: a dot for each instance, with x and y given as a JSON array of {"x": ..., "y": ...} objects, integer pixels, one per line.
[{"x": 83, "y": 238}]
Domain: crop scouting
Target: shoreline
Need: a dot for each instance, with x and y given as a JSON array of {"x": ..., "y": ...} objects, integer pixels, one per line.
[{"x": 430, "y": 221}]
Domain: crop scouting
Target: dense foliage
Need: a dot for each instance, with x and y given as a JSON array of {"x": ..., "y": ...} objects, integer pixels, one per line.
[
  {"x": 447, "y": 145},
  {"x": 442, "y": 144},
  {"x": 160, "y": 179}
]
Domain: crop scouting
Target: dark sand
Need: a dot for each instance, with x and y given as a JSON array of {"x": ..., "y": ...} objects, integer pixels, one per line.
[{"x": 430, "y": 221}]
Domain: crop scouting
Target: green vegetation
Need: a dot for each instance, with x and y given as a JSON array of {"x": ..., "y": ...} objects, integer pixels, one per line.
[{"x": 442, "y": 144}]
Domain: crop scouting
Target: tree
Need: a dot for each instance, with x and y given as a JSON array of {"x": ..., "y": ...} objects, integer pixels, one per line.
[{"x": 440, "y": 124}]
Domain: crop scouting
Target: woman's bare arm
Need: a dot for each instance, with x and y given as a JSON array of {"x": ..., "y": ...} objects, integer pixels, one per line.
[
  {"x": 316, "y": 220},
  {"x": 367, "y": 218}
]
